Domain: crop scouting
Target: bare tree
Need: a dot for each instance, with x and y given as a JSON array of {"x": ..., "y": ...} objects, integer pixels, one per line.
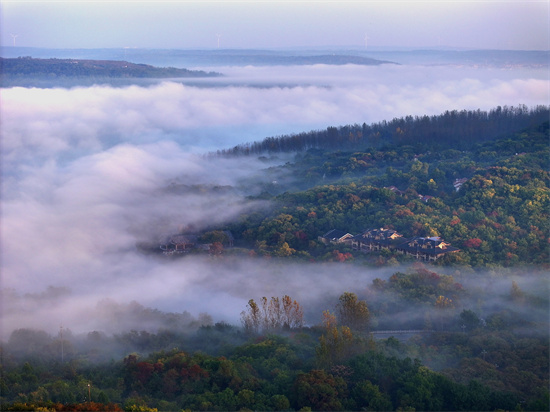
[
  {"x": 272, "y": 315},
  {"x": 251, "y": 317}
]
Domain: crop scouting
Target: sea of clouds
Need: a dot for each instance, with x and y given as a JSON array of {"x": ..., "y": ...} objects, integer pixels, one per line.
[{"x": 84, "y": 171}]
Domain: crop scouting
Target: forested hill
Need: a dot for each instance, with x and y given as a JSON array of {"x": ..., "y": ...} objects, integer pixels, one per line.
[
  {"x": 28, "y": 66},
  {"x": 450, "y": 130},
  {"x": 264, "y": 59}
]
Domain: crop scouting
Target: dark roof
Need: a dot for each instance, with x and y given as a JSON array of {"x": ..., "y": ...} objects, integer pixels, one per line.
[
  {"x": 335, "y": 234},
  {"x": 378, "y": 235},
  {"x": 395, "y": 190}
]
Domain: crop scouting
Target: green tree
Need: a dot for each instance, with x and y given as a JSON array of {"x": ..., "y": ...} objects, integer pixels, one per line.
[
  {"x": 369, "y": 398},
  {"x": 215, "y": 236},
  {"x": 470, "y": 319},
  {"x": 320, "y": 391},
  {"x": 353, "y": 312},
  {"x": 280, "y": 402}
]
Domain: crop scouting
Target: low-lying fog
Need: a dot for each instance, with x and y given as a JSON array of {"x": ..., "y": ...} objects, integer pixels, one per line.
[{"x": 84, "y": 170}]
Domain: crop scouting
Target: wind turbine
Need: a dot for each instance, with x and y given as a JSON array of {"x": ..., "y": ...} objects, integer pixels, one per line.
[
  {"x": 218, "y": 36},
  {"x": 366, "y": 41},
  {"x": 14, "y": 37}
]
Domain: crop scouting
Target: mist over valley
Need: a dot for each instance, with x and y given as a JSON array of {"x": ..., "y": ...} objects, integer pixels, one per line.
[
  {"x": 98, "y": 177},
  {"x": 84, "y": 168}
]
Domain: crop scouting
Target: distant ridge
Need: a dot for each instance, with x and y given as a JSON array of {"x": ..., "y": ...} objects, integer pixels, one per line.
[
  {"x": 199, "y": 58},
  {"x": 263, "y": 59},
  {"x": 33, "y": 67}
]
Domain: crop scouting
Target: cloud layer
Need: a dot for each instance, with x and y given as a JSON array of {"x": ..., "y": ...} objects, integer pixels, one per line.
[
  {"x": 47, "y": 123},
  {"x": 86, "y": 170}
]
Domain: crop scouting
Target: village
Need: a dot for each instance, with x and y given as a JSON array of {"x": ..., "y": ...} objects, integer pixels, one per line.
[{"x": 427, "y": 249}]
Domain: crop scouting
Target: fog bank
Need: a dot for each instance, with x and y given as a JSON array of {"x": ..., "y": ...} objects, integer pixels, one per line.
[{"x": 86, "y": 174}]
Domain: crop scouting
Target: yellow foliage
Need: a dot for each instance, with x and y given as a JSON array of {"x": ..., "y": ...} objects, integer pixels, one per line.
[{"x": 443, "y": 302}]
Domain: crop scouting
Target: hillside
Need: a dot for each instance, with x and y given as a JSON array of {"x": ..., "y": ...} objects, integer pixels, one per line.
[
  {"x": 490, "y": 199},
  {"x": 466, "y": 332}
]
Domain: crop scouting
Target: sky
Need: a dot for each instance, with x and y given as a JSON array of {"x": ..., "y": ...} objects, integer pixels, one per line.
[{"x": 262, "y": 24}]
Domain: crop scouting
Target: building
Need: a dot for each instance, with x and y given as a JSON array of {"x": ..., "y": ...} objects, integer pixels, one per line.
[
  {"x": 395, "y": 190},
  {"x": 376, "y": 239},
  {"x": 178, "y": 244},
  {"x": 426, "y": 248},
  {"x": 335, "y": 236}
]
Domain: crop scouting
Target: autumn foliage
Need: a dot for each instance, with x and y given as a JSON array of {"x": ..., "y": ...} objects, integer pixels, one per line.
[
  {"x": 272, "y": 315},
  {"x": 474, "y": 242}
]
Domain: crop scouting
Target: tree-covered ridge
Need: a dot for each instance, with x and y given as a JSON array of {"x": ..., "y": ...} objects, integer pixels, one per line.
[
  {"x": 259, "y": 58},
  {"x": 498, "y": 216},
  {"x": 33, "y": 67},
  {"x": 450, "y": 130}
]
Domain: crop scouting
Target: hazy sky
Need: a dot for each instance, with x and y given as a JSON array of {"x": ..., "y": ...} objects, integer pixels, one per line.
[{"x": 504, "y": 24}]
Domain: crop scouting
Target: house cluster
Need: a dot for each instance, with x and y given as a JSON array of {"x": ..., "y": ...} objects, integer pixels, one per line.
[
  {"x": 421, "y": 248},
  {"x": 183, "y": 243}
]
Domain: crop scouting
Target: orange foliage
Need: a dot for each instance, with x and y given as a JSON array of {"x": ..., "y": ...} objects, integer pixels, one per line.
[{"x": 474, "y": 242}]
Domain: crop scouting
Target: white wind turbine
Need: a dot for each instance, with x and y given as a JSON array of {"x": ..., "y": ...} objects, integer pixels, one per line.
[
  {"x": 218, "y": 36},
  {"x": 366, "y": 41},
  {"x": 14, "y": 36}
]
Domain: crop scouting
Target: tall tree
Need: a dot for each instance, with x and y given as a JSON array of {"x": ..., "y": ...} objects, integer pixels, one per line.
[
  {"x": 251, "y": 318},
  {"x": 293, "y": 314},
  {"x": 353, "y": 312}
]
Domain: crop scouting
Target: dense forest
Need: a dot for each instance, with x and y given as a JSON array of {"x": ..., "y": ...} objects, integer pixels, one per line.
[
  {"x": 28, "y": 66},
  {"x": 497, "y": 216},
  {"x": 466, "y": 332},
  {"x": 474, "y": 351}
]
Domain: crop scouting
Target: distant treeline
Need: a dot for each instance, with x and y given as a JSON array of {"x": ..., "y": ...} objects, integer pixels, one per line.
[
  {"x": 450, "y": 130},
  {"x": 263, "y": 59},
  {"x": 28, "y": 66}
]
